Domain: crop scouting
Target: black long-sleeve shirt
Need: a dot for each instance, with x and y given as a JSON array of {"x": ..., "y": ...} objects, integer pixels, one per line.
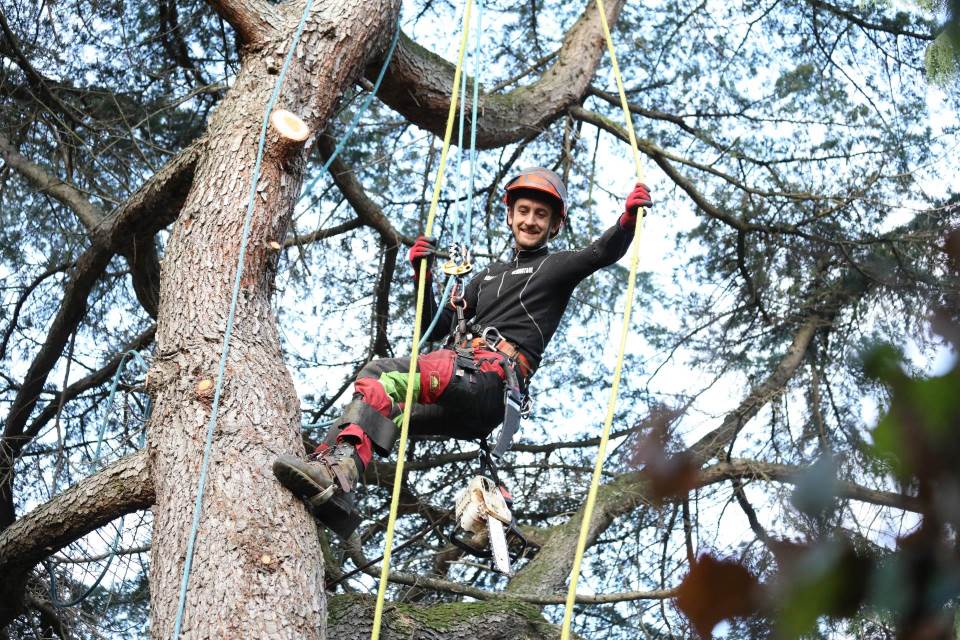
[{"x": 526, "y": 297}]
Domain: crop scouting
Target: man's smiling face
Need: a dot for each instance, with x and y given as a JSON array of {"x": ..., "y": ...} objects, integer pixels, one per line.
[{"x": 532, "y": 222}]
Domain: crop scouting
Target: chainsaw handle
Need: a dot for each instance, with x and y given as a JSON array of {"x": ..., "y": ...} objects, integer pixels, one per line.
[{"x": 463, "y": 545}]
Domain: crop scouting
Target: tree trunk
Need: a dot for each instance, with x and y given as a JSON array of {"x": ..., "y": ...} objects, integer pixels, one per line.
[{"x": 257, "y": 569}]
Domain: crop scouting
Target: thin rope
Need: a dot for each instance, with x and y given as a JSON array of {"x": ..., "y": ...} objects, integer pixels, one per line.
[
  {"x": 464, "y": 232},
  {"x": 624, "y": 331},
  {"x": 342, "y": 143},
  {"x": 418, "y": 317},
  {"x": 473, "y": 123},
  {"x": 458, "y": 194},
  {"x": 96, "y": 462},
  {"x": 228, "y": 332}
]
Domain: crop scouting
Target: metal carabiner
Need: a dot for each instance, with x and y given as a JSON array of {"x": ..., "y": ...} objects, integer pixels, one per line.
[
  {"x": 492, "y": 343},
  {"x": 526, "y": 406}
]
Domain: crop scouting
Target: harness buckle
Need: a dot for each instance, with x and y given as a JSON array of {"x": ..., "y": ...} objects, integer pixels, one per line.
[{"x": 492, "y": 336}]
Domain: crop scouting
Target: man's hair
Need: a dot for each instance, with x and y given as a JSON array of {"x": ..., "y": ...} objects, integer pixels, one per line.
[{"x": 535, "y": 194}]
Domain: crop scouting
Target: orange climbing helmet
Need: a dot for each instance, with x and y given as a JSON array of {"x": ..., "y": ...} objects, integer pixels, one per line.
[{"x": 543, "y": 181}]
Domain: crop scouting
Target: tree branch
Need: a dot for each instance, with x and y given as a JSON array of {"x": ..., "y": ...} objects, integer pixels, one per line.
[
  {"x": 65, "y": 193},
  {"x": 123, "y": 487},
  {"x": 367, "y": 210},
  {"x": 701, "y": 201},
  {"x": 255, "y": 21},
  {"x": 860, "y": 22},
  {"x": 95, "y": 379},
  {"x": 21, "y": 300},
  {"x": 73, "y": 307},
  {"x": 417, "y": 85},
  {"x": 151, "y": 208},
  {"x": 758, "y": 470},
  {"x": 717, "y": 440},
  {"x": 130, "y": 228},
  {"x": 321, "y": 234},
  {"x": 351, "y": 616}
]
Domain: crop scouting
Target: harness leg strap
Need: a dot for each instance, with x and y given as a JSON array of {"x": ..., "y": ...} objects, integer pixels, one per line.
[
  {"x": 381, "y": 431},
  {"x": 512, "y": 399},
  {"x": 332, "y": 434}
]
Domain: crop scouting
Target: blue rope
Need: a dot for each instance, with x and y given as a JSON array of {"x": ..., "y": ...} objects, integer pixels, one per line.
[
  {"x": 215, "y": 408},
  {"x": 336, "y": 151},
  {"x": 113, "y": 392},
  {"x": 356, "y": 116},
  {"x": 96, "y": 583},
  {"x": 473, "y": 122}
]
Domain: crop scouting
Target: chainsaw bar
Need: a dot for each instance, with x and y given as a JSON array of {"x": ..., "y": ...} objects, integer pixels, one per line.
[{"x": 498, "y": 546}]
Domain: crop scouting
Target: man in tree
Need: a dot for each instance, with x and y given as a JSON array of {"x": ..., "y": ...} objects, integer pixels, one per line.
[{"x": 514, "y": 309}]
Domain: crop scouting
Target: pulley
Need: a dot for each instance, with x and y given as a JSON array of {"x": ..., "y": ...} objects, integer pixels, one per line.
[{"x": 460, "y": 262}]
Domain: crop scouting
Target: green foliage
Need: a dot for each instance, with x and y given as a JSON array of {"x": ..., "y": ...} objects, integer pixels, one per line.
[
  {"x": 799, "y": 79},
  {"x": 942, "y": 59}
]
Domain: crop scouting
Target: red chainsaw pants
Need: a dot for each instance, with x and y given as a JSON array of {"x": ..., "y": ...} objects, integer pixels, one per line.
[{"x": 469, "y": 406}]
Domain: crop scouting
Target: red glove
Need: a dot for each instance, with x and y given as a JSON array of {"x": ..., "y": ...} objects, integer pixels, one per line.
[
  {"x": 639, "y": 197},
  {"x": 423, "y": 248}
]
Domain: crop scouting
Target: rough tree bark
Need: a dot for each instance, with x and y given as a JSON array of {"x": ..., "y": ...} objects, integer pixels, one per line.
[
  {"x": 257, "y": 561},
  {"x": 418, "y": 82}
]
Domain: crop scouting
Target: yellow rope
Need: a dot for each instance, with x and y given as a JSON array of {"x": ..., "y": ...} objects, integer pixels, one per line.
[
  {"x": 418, "y": 317},
  {"x": 624, "y": 331}
]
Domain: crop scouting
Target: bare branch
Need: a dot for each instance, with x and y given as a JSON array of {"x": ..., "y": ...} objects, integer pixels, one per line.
[
  {"x": 255, "y": 21},
  {"x": 367, "y": 210},
  {"x": 860, "y": 22},
  {"x": 321, "y": 234},
  {"x": 73, "y": 307},
  {"x": 537, "y": 597},
  {"x": 65, "y": 193},
  {"x": 21, "y": 300},
  {"x": 95, "y": 379},
  {"x": 10, "y": 48},
  {"x": 758, "y": 470},
  {"x": 714, "y": 442},
  {"x": 123, "y": 487},
  {"x": 130, "y": 228},
  {"x": 708, "y": 207}
]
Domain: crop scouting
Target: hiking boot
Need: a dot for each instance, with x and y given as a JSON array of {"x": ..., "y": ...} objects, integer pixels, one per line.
[{"x": 321, "y": 475}]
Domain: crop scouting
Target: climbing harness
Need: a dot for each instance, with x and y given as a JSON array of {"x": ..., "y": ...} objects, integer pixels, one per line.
[
  {"x": 624, "y": 331},
  {"x": 418, "y": 318}
]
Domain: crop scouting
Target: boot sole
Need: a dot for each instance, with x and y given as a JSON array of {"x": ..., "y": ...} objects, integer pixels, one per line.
[{"x": 286, "y": 470}]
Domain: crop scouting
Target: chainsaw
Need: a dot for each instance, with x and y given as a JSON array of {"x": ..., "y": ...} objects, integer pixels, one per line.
[{"x": 483, "y": 511}]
